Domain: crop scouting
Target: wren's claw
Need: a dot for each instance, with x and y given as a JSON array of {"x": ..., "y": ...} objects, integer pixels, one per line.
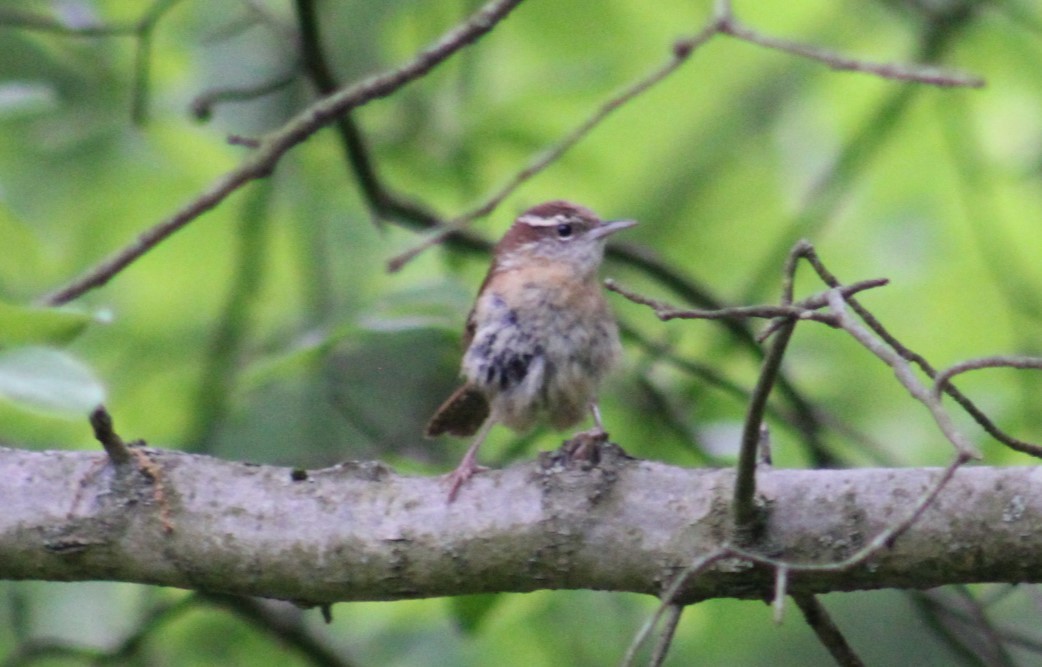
[{"x": 466, "y": 469}]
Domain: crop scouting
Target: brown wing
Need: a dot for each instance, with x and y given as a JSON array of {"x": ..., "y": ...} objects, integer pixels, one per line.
[{"x": 461, "y": 414}]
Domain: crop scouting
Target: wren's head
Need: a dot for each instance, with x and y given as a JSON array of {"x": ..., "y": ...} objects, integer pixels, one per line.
[{"x": 557, "y": 231}]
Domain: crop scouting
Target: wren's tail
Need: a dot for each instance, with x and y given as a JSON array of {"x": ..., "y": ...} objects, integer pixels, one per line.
[{"x": 461, "y": 414}]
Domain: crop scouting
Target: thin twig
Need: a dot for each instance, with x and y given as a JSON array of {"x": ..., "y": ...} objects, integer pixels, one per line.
[
  {"x": 882, "y": 540},
  {"x": 382, "y": 201},
  {"x": 805, "y": 414},
  {"x": 693, "y": 569},
  {"x": 942, "y": 379},
  {"x": 274, "y": 146},
  {"x": 666, "y": 635},
  {"x": 990, "y": 644},
  {"x": 925, "y": 74},
  {"x": 682, "y": 50},
  {"x": 937, "y": 610},
  {"x": 781, "y": 586},
  {"x": 902, "y": 369},
  {"x": 202, "y": 104},
  {"x": 911, "y": 356},
  {"x": 804, "y": 309}
]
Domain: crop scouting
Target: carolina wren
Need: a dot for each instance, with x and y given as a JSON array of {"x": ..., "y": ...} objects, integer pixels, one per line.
[{"x": 540, "y": 336}]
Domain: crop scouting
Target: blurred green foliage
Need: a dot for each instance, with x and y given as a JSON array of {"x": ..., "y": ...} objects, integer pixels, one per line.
[{"x": 270, "y": 330}]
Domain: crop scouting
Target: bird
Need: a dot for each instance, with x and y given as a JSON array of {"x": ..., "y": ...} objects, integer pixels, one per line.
[{"x": 540, "y": 337}]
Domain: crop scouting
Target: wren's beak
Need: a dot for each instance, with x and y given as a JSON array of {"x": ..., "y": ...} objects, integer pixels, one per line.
[{"x": 609, "y": 227}]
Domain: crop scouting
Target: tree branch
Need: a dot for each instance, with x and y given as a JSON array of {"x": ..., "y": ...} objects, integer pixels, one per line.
[
  {"x": 262, "y": 161},
  {"x": 359, "y": 531}
]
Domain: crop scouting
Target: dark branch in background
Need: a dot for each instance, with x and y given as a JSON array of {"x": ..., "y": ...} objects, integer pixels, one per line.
[
  {"x": 722, "y": 22},
  {"x": 285, "y": 627},
  {"x": 141, "y": 29},
  {"x": 712, "y": 377},
  {"x": 696, "y": 567},
  {"x": 285, "y": 624},
  {"x": 143, "y": 59},
  {"x": 744, "y": 506},
  {"x": 749, "y": 522},
  {"x": 830, "y": 190},
  {"x": 991, "y": 645},
  {"x": 382, "y": 202},
  {"x": 805, "y": 417},
  {"x": 682, "y": 50},
  {"x": 827, "y": 631},
  {"x": 275, "y": 145},
  {"x": 950, "y": 620},
  {"x": 222, "y": 363}
]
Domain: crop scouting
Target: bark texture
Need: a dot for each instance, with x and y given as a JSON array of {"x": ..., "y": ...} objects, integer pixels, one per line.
[{"x": 359, "y": 531}]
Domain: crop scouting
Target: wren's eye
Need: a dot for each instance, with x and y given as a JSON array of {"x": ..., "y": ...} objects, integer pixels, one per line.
[{"x": 564, "y": 230}]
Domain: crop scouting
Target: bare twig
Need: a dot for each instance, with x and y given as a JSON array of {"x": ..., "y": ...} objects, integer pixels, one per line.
[
  {"x": 692, "y": 570},
  {"x": 941, "y": 614},
  {"x": 666, "y": 635},
  {"x": 274, "y": 146},
  {"x": 827, "y": 631},
  {"x": 902, "y": 369},
  {"x": 745, "y": 483},
  {"x": 925, "y": 74},
  {"x": 202, "y": 104},
  {"x": 805, "y": 415},
  {"x": 781, "y": 586},
  {"x": 682, "y": 50},
  {"x": 883, "y": 539},
  {"x": 942, "y": 379},
  {"x": 911, "y": 356},
  {"x": 804, "y": 309}
]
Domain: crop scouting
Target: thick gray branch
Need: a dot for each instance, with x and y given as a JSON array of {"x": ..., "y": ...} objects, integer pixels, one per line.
[{"x": 359, "y": 531}]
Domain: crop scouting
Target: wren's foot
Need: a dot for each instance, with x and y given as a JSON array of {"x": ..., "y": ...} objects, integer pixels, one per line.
[
  {"x": 464, "y": 471},
  {"x": 583, "y": 446}
]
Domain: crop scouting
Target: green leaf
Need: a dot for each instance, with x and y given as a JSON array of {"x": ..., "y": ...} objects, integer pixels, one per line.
[
  {"x": 31, "y": 325},
  {"x": 49, "y": 380}
]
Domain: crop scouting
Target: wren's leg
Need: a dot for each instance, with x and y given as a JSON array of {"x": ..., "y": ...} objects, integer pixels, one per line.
[{"x": 469, "y": 464}]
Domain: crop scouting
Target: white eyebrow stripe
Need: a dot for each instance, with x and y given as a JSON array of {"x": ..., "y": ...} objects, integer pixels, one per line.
[{"x": 537, "y": 221}]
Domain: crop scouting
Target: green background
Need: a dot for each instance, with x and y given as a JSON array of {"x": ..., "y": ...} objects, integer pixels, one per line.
[{"x": 270, "y": 330}]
